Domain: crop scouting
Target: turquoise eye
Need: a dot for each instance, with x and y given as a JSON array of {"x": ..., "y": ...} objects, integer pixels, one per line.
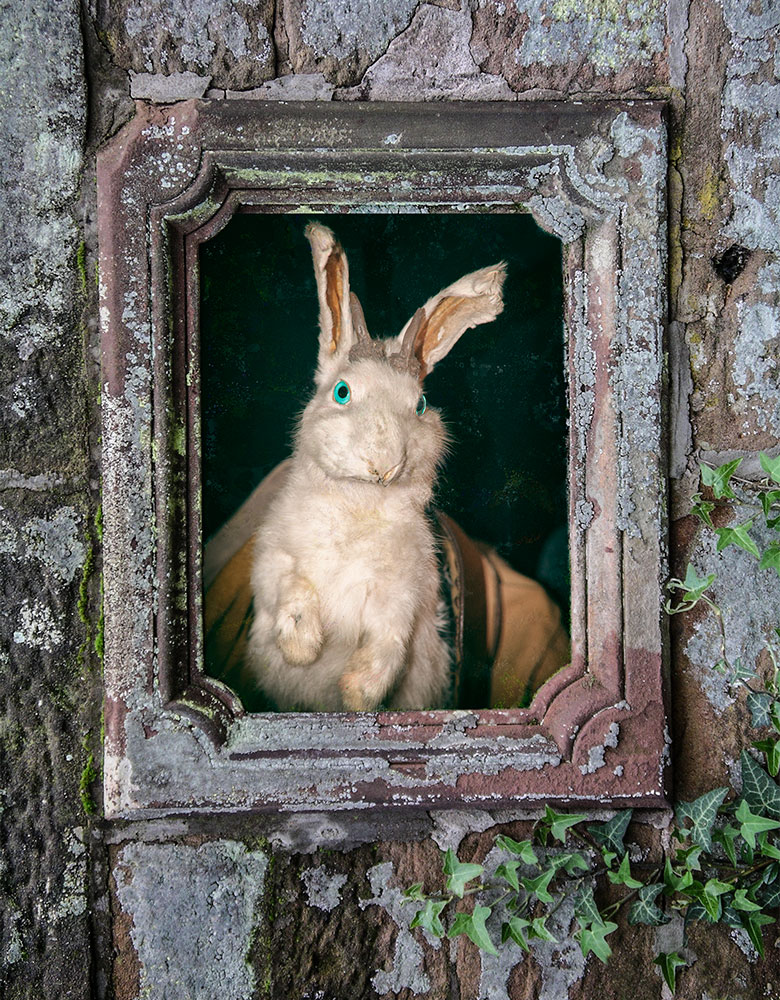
[
  {"x": 421, "y": 406},
  {"x": 341, "y": 392}
]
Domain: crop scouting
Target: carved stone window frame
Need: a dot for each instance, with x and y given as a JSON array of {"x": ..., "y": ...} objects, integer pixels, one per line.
[{"x": 178, "y": 741}]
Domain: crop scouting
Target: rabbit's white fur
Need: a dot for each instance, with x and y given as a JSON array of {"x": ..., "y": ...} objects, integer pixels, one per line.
[{"x": 345, "y": 580}]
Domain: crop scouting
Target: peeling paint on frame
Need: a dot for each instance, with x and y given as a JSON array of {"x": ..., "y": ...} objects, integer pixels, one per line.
[{"x": 178, "y": 741}]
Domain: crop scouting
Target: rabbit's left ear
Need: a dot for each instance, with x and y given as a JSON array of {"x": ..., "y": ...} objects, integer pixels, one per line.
[
  {"x": 332, "y": 273},
  {"x": 435, "y": 329}
]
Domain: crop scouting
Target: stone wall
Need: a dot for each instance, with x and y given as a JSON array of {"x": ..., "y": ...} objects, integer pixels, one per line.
[{"x": 311, "y": 907}]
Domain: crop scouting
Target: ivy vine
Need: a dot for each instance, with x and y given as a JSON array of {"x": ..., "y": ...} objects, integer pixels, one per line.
[{"x": 723, "y": 866}]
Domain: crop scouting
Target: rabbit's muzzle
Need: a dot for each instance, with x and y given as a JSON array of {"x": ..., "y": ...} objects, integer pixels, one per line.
[{"x": 390, "y": 475}]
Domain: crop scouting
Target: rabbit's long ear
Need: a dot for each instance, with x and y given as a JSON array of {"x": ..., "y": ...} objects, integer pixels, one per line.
[
  {"x": 433, "y": 331},
  {"x": 332, "y": 273}
]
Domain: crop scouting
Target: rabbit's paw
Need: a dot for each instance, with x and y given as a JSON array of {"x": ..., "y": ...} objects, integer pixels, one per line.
[
  {"x": 363, "y": 684},
  {"x": 299, "y": 633}
]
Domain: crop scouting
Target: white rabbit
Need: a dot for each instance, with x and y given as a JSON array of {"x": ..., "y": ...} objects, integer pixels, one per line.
[{"x": 347, "y": 605}]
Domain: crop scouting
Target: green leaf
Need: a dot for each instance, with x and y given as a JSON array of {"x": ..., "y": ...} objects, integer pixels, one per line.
[
  {"x": 753, "y": 922},
  {"x": 737, "y": 536},
  {"x": 669, "y": 963},
  {"x": 759, "y": 705},
  {"x": 415, "y": 893},
  {"x": 758, "y": 789},
  {"x": 611, "y": 833},
  {"x": 593, "y": 939},
  {"x": 428, "y": 918},
  {"x": 767, "y": 848},
  {"x": 513, "y": 929},
  {"x": 623, "y": 875},
  {"x": 726, "y": 837},
  {"x": 508, "y": 872},
  {"x": 585, "y": 909},
  {"x": 689, "y": 856},
  {"x": 459, "y": 873},
  {"x": 644, "y": 909},
  {"x": 702, "y": 812},
  {"x": 559, "y": 823},
  {"x": 538, "y": 929},
  {"x": 751, "y": 823},
  {"x": 702, "y": 509},
  {"x": 771, "y": 466},
  {"x": 770, "y": 896},
  {"x": 521, "y": 847},
  {"x": 771, "y": 558},
  {"x": 473, "y": 926},
  {"x": 771, "y": 751},
  {"x": 538, "y": 885},
  {"x": 675, "y": 882},
  {"x": 718, "y": 479},
  {"x": 768, "y": 500},
  {"x": 570, "y": 862},
  {"x": 742, "y": 902}
]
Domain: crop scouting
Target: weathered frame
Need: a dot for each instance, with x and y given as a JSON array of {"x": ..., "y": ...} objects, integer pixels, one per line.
[{"x": 178, "y": 741}]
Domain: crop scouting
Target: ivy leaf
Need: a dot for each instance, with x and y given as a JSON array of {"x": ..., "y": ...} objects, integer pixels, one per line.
[
  {"x": 644, "y": 909},
  {"x": 758, "y": 789},
  {"x": 623, "y": 875},
  {"x": 508, "y": 872},
  {"x": 737, "y": 536},
  {"x": 771, "y": 750},
  {"x": 513, "y": 929},
  {"x": 741, "y": 902},
  {"x": 538, "y": 885},
  {"x": 559, "y": 823},
  {"x": 538, "y": 929},
  {"x": 428, "y": 918},
  {"x": 415, "y": 893},
  {"x": 473, "y": 926},
  {"x": 702, "y": 812},
  {"x": 771, "y": 466},
  {"x": 675, "y": 882},
  {"x": 611, "y": 833},
  {"x": 459, "y": 873},
  {"x": 771, "y": 557},
  {"x": 726, "y": 837},
  {"x": 521, "y": 847},
  {"x": 702, "y": 509},
  {"x": 753, "y": 922},
  {"x": 759, "y": 704},
  {"x": 571, "y": 863},
  {"x": 768, "y": 500},
  {"x": 752, "y": 823},
  {"x": 767, "y": 848},
  {"x": 770, "y": 896},
  {"x": 585, "y": 909},
  {"x": 593, "y": 939},
  {"x": 718, "y": 479},
  {"x": 710, "y": 897},
  {"x": 669, "y": 963},
  {"x": 689, "y": 856}
]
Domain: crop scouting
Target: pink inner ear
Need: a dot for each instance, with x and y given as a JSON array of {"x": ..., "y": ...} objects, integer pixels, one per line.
[{"x": 334, "y": 293}]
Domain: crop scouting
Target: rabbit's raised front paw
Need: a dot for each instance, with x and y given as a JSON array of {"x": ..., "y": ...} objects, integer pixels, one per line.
[{"x": 299, "y": 633}]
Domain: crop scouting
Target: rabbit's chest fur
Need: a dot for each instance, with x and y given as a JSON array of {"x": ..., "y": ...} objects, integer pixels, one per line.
[{"x": 362, "y": 564}]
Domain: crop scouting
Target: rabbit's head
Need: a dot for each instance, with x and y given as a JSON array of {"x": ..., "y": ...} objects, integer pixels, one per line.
[{"x": 368, "y": 420}]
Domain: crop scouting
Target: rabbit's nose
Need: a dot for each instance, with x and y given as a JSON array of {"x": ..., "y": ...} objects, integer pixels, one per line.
[{"x": 393, "y": 473}]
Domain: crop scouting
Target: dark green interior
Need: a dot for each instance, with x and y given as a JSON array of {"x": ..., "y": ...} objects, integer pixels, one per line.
[{"x": 501, "y": 390}]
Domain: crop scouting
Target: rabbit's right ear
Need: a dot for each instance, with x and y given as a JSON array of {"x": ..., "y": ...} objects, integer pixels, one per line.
[{"x": 332, "y": 273}]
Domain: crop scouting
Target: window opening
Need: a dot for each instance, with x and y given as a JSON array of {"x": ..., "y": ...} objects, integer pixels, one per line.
[{"x": 501, "y": 392}]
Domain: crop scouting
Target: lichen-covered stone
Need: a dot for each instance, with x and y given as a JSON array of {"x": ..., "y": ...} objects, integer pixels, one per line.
[{"x": 230, "y": 42}]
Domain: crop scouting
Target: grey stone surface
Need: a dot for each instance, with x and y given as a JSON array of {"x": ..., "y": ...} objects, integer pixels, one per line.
[
  {"x": 722, "y": 62},
  {"x": 193, "y": 912},
  {"x": 165, "y": 89}
]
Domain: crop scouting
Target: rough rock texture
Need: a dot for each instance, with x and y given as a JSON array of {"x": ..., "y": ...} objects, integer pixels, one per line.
[
  {"x": 186, "y": 905},
  {"x": 49, "y": 700}
]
